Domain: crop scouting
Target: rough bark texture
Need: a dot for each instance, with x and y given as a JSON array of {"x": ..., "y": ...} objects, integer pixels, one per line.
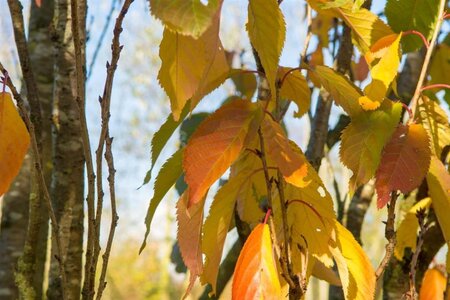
[
  {"x": 67, "y": 187},
  {"x": 25, "y": 219}
]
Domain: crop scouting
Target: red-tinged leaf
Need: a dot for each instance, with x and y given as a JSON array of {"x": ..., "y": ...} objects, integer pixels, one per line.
[
  {"x": 216, "y": 144},
  {"x": 255, "y": 275},
  {"x": 189, "y": 237},
  {"x": 360, "y": 69},
  {"x": 291, "y": 162},
  {"x": 404, "y": 162},
  {"x": 14, "y": 142},
  {"x": 38, "y": 3}
]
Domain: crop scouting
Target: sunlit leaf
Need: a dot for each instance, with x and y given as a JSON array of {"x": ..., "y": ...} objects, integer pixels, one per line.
[
  {"x": 438, "y": 180},
  {"x": 255, "y": 275},
  {"x": 420, "y": 15},
  {"x": 435, "y": 121},
  {"x": 343, "y": 91},
  {"x": 216, "y": 227},
  {"x": 291, "y": 163},
  {"x": 404, "y": 163},
  {"x": 325, "y": 273},
  {"x": 407, "y": 230},
  {"x": 184, "y": 74},
  {"x": 265, "y": 19},
  {"x": 355, "y": 270},
  {"x": 166, "y": 178},
  {"x": 433, "y": 285},
  {"x": 188, "y": 17},
  {"x": 440, "y": 67},
  {"x": 216, "y": 144},
  {"x": 383, "y": 73},
  {"x": 14, "y": 143},
  {"x": 189, "y": 237},
  {"x": 295, "y": 88},
  {"x": 363, "y": 141}
]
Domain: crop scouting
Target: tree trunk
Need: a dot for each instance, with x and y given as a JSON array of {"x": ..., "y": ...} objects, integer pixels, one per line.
[{"x": 68, "y": 175}]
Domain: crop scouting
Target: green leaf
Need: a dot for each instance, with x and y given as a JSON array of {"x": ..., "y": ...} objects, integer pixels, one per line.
[
  {"x": 161, "y": 137},
  {"x": 363, "y": 141},
  {"x": 216, "y": 227},
  {"x": 188, "y": 17},
  {"x": 343, "y": 91},
  {"x": 295, "y": 88},
  {"x": 420, "y": 15},
  {"x": 166, "y": 178},
  {"x": 266, "y": 21}
]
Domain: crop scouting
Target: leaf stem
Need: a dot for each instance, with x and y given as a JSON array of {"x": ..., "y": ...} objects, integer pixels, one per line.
[
  {"x": 419, "y": 34},
  {"x": 434, "y": 86},
  {"x": 427, "y": 59}
]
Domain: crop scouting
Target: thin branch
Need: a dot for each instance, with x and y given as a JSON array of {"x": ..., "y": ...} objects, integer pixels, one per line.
[
  {"x": 105, "y": 102},
  {"x": 102, "y": 37},
  {"x": 426, "y": 62},
  {"x": 412, "y": 273},
  {"x": 390, "y": 235},
  {"x": 309, "y": 33},
  {"x": 40, "y": 174}
]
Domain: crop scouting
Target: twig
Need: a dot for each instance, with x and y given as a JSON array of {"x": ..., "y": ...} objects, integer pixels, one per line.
[
  {"x": 309, "y": 33},
  {"x": 434, "y": 86},
  {"x": 390, "y": 235},
  {"x": 105, "y": 103},
  {"x": 426, "y": 62},
  {"x": 40, "y": 175},
  {"x": 412, "y": 273},
  {"x": 88, "y": 288},
  {"x": 102, "y": 37}
]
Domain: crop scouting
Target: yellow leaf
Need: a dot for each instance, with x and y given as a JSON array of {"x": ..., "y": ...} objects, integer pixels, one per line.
[
  {"x": 184, "y": 74},
  {"x": 188, "y": 17},
  {"x": 383, "y": 73},
  {"x": 265, "y": 20},
  {"x": 407, "y": 231},
  {"x": 189, "y": 235},
  {"x": 438, "y": 180},
  {"x": 355, "y": 270},
  {"x": 435, "y": 121},
  {"x": 291, "y": 163},
  {"x": 440, "y": 65},
  {"x": 295, "y": 88},
  {"x": 14, "y": 143},
  {"x": 325, "y": 273},
  {"x": 433, "y": 285},
  {"x": 217, "y": 143},
  {"x": 343, "y": 91},
  {"x": 255, "y": 275}
]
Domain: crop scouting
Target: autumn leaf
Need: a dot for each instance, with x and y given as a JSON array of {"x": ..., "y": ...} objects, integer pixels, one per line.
[
  {"x": 255, "y": 274},
  {"x": 184, "y": 74},
  {"x": 216, "y": 144},
  {"x": 343, "y": 91},
  {"x": 38, "y": 3},
  {"x": 265, "y": 19},
  {"x": 14, "y": 144},
  {"x": 440, "y": 67},
  {"x": 438, "y": 180},
  {"x": 188, "y": 17},
  {"x": 433, "y": 285},
  {"x": 360, "y": 69},
  {"x": 435, "y": 121},
  {"x": 404, "y": 163},
  {"x": 245, "y": 83},
  {"x": 295, "y": 88},
  {"x": 364, "y": 139},
  {"x": 355, "y": 270},
  {"x": 403, "y": 15},
  {"x": 291, "y": 163},
  {"x": 217, "y": 225},
  {"x": 382, "y": 73},
  {"x": 189, "y": 237},
  {"x": 407, "y": 230},
  {"x": 166, "y": 178},
  {"x": 316, "y": 59}
]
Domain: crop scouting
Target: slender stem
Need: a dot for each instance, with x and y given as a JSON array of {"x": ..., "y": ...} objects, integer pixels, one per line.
[
  {"x": 40, "y": 175},
  {"x": 390, "y": 235},
  {"x": 427, "y": 59},
  {"x": 419, "y": 34},
  {"x": 412, "y": 273},
  {"x": 434, "y": 86}
]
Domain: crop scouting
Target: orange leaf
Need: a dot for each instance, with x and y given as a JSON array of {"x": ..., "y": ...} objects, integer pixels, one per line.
[
  {"x": 38, "y": 3},
  {"x": 14, "y": 142},
  {"x": 255, "y": 275},
  {"x": 216, "y": 144},
  {"x": 404, "y": 163},
  {"x": 292, "y": 163},
  {"x": 189, "y": 237},
  {"x": 433, "y": 285}
]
